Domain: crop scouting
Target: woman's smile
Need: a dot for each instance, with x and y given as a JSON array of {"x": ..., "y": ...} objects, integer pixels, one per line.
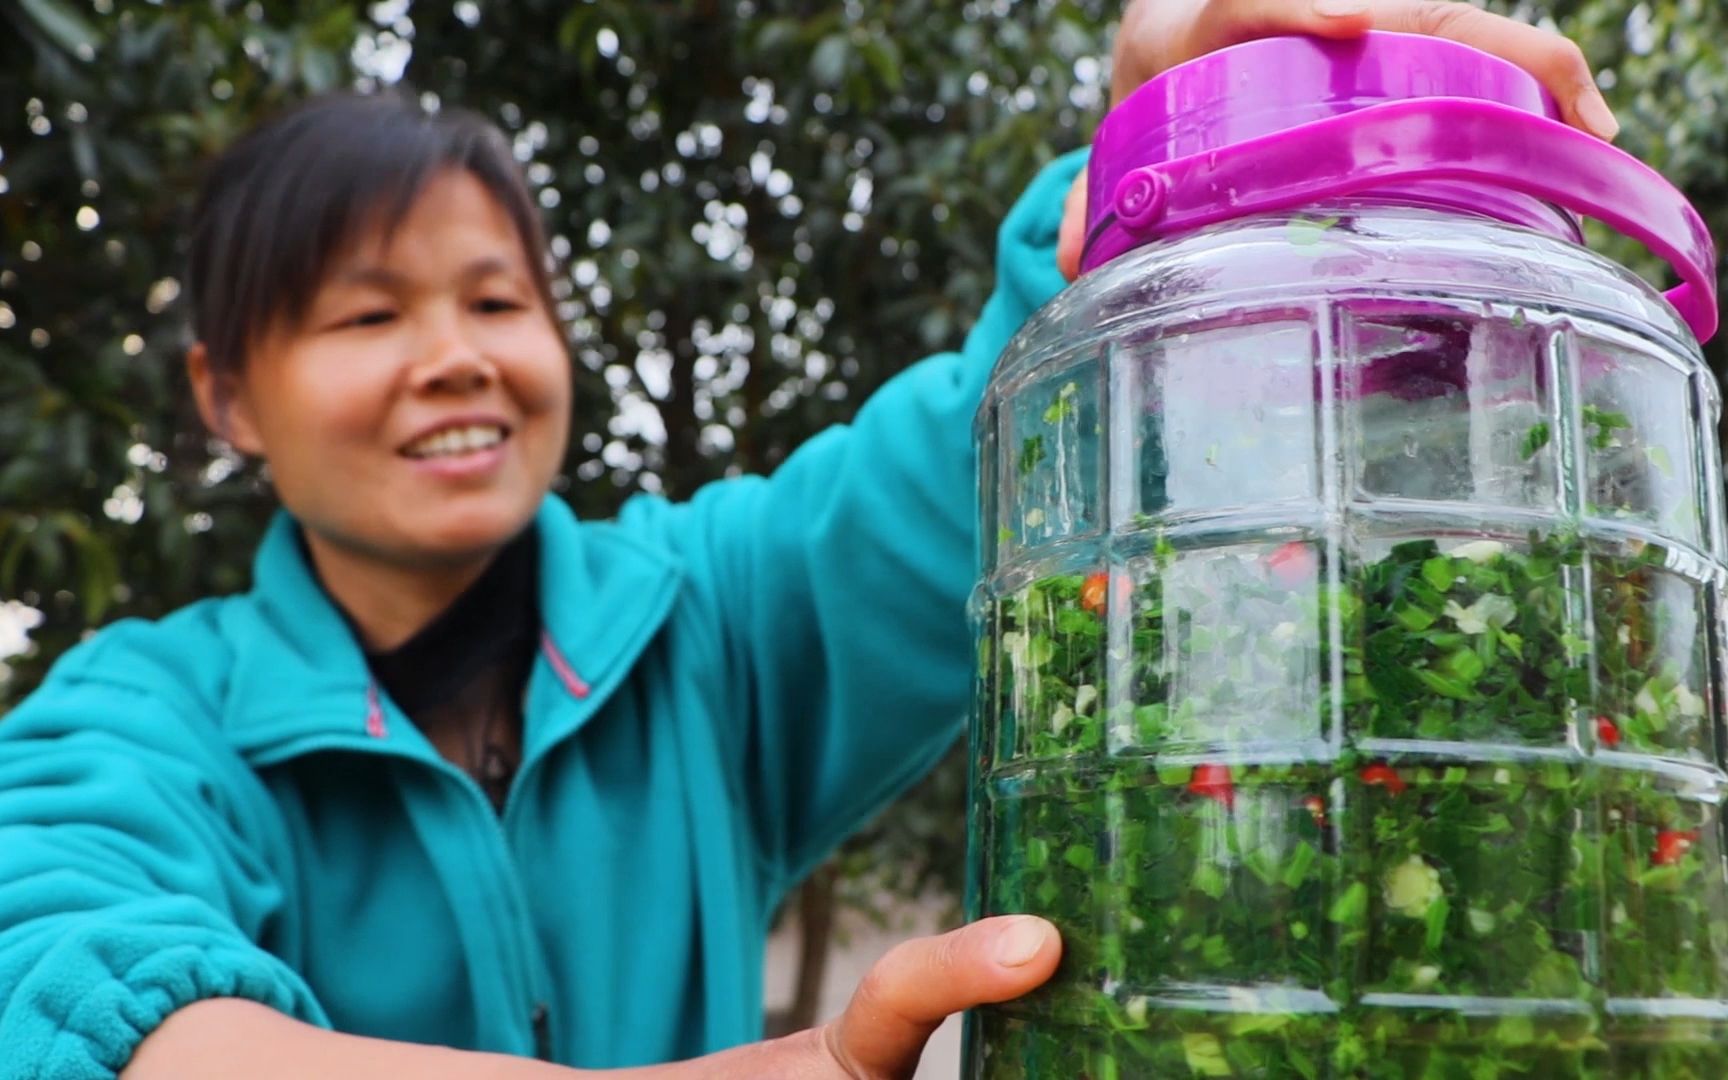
[{"x": 464, "y": 449}]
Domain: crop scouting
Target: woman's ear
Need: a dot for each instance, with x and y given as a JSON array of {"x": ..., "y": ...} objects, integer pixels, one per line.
[{"x": 224, "y": 409}]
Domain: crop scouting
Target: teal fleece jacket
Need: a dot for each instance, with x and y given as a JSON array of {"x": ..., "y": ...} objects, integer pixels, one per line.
[{"x": 223, "y": 803}]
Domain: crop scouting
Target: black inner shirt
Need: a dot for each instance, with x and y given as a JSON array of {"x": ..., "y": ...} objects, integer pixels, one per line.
[{"x": 463, "y": 676}]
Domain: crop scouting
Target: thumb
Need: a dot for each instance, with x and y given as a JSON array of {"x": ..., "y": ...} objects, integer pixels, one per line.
[
  {"x": 1071, "y": 238},
  {"x": 920, "y": 983}
]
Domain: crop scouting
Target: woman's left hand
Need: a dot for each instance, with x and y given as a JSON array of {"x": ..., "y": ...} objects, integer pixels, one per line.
[
  {"x": 1159, "y": 34},
  {"x": 897, "y": 1007}
]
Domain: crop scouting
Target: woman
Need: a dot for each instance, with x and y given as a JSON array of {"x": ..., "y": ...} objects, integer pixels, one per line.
[{"x": 460, "y": 771}]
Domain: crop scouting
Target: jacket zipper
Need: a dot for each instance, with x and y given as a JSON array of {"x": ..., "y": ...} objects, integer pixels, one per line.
[
  {"x": 518, "y": 930},
  {"x": 541, "y": 1025}
]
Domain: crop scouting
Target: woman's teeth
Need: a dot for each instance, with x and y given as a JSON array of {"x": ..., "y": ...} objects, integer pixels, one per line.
[{"x": 460, "y": 440}]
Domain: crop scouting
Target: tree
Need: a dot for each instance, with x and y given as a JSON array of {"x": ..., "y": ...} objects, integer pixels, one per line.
[
  {"x": 769, "y": 209},
  {"x": 764, "y": 211},
  {"x": 1665, "y": 71},
  {"x": 764, "y": 207},
  {"x": 112, "y": 502},
  {"x": 810, "y": 210}
]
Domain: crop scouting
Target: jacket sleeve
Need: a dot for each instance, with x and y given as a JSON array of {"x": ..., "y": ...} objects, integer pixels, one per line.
[
  {"x": 843, "y": 579},
  {"x": 131, "y": 879}
]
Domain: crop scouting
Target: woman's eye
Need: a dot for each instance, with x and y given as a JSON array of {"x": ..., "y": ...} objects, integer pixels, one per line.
[
  {"x": 377, "y": 317},
  {"x": 495, "y": 305}
]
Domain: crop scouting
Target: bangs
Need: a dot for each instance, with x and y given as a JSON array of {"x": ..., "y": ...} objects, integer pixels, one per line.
[{"x": 294, "y": 195}]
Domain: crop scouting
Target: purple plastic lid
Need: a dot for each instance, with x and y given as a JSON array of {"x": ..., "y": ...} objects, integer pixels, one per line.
[
  {"x": 1288, "y": 122},
  {"x": 1264, "y": 87}
]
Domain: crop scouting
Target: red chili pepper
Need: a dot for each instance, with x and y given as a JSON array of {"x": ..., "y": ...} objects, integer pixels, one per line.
[
  {"x": 1293, "y": 564},
  {"x": 1316, "y": 806},
  {"x": 1607, "y": 733},
  {"x": 1385, "y": 776},
  {"x": 1093, "y": 592},
  {"x": 1213, "y": 782},
  {"x": 1671, "y": 844}
]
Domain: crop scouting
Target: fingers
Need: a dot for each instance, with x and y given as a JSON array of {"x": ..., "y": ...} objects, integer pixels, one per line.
[
  {"x": 1231, "y": 22},
  {"x": 1557, "y": 61},
  {"x": 1159, "y": 34},
  {"x": 920, "y": 983},
  {"x": 1071, "y": 238}
]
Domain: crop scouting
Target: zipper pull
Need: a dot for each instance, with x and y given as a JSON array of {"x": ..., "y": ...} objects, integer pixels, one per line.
[{"x": 541, "y": 1024}]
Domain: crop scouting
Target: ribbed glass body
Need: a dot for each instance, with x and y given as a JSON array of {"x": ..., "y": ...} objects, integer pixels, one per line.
[{"x": 1350, "y": 686}]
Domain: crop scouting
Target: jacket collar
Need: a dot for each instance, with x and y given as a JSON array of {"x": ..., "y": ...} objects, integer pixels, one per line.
[{"x": 299, "y": 680}]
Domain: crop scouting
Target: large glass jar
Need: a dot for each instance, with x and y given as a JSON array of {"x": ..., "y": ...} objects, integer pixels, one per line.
[{"x": 1350, "y": 636}]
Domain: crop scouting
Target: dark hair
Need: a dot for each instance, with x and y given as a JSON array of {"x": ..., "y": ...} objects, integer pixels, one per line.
[{"x": 284, "y": 199}]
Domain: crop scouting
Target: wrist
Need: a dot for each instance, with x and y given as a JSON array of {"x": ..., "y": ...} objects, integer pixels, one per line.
[{"x": 222, "y": 1038}]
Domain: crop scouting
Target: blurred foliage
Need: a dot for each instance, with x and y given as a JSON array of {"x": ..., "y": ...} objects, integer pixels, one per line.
[
  {"x": 763, "y": 208},
  {"x": 112, "y": 501},
  {"x": 1664, "y": 67}
]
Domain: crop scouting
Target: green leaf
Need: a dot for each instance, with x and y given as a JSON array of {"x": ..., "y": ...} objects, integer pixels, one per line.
[
  {"x": 1351, "y": 907},
  {"x": 1081, "y": 857},
  {"x": 1658, "y": 456},
  {"x": 1063, "y": 407},
  {"x": 777, "y": 34},
  {"x": 1040, "y": 651},
  {"x": 84, "y": 153},
  {"x": 318, "y": 70},
  {"x": 1301, "y": 861},
  {"x": 1515, "y": 1031},
  {"x": 571, "y": 27},
  {"x": 1440, "y": 572},
  {"x": 1413, "y": 618},
  {"x": 1465, "y": 666},
  {"x": 1434, "y": 924},
  {"x": 1444, "y": 686},
  {"x": 1258, "y": 1023},
  {"x": 1535, "y": 439},
  {"x": 1606, "y": 424},
  {"x": 1210, "y": 880},
  {"x": 1037, "y": 853},
  {"x": 1215, "y": 951},
  {"x": 1205, "y": 1055},
  {"x": 1031, "y": 455},
  {"x": 828, "y": 62},
  {"x": 884, "y": 59},
  {"x": 1309, "y": 231},
  {"x": 62, "y": 23}
]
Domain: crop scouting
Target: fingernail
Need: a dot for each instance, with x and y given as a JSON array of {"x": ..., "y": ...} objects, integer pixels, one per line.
[
  {"x": 1022, "y": 940},
  {"x": 1596, "y": 115},
  {"x": 1341, "y": 9}
]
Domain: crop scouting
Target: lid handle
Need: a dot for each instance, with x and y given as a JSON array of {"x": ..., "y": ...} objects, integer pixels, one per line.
[{"x": 1432, "y": 139}]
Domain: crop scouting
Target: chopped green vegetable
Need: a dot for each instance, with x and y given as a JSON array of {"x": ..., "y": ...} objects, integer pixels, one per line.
[
  {"x": 1358, "y": 808},
  {"x": 1536, "y": 438},
  {"x": 1064, "y": 406},
  {"x": 1308, "y": 231},
  {"x": 1031, "y": 455},
  {"x": 1352, "y": 878},
  {"x": 1606, "y": 424}
]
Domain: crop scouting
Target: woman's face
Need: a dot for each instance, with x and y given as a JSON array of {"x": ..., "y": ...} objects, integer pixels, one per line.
[{"x": 419, "y": 412}]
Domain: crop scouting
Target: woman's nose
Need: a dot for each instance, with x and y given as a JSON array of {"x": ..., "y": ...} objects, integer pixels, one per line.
[
  {"x": 458, "y": 372},
  {"x": 452, "y": 363}
]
